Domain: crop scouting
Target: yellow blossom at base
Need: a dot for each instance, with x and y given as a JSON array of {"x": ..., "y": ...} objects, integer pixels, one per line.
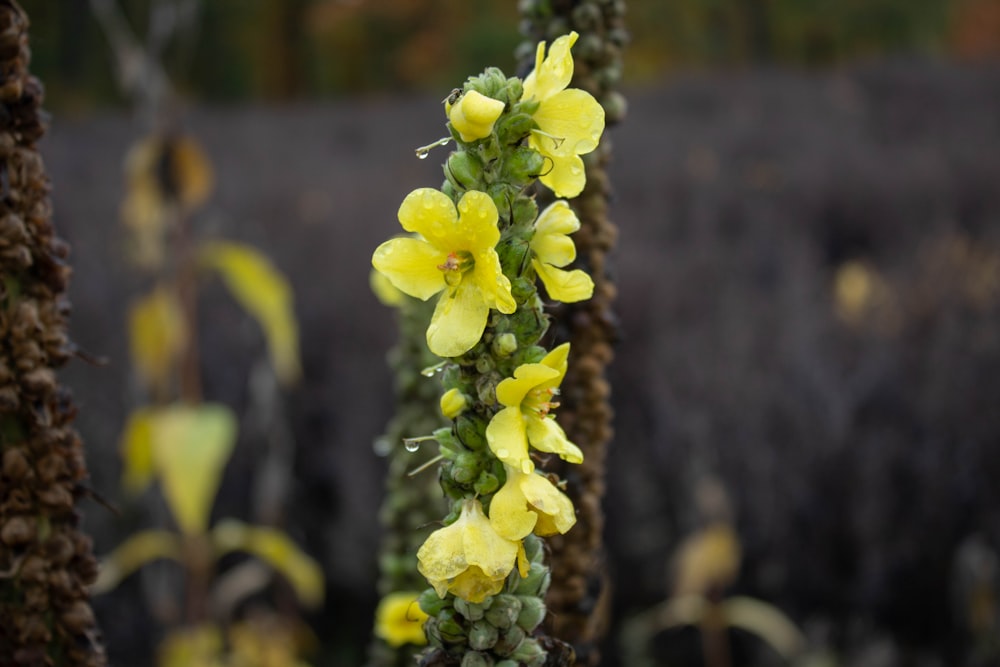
[
  {"x": 474, "y": 115},
  {"x": 529, "y": 397},
  {"x": 399, "y": 619},
  {"x": 530, "y": 502},
  {"x": 456, "y": 255},
  {"x": 570, "y": 121},
  {"x": 467, "y": 558},
  {"x": 553, "y": 249}
]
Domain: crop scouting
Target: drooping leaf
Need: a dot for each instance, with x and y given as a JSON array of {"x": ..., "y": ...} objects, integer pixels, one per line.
[
  {"x": 157, "y": 336},
  {"x": 133, "y": 553},
  {"x": 276, "y": 549},
  {"x": 265, "y": 294},
  {"x": 191, "y": 445}
]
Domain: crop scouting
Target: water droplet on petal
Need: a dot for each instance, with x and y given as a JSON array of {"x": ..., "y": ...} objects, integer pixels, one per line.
[
  {"x": 527, "y": 467},
  {"x": 503, "y": 453}
]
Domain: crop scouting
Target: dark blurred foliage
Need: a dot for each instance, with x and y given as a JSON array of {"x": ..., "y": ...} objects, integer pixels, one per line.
[{"x": 282, "y": 49}]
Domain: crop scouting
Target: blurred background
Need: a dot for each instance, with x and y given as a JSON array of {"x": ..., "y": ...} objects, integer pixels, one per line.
[{"x": 808, "y": 195}]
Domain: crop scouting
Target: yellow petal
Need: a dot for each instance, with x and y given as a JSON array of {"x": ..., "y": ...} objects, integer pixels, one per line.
[
  {"x": 573, "y": 116},
  {"x": 441, "y": 557},
  {"x": 137, "y": 550},
  {"x": 554, "y": 509},
  {"x": 509, "y": 511},
  {"x": 411, "y": 265},
  {"x": 558, "y": 360},
  {"x": 157, "y": 336},
  {"x": 473, "y": 585},
  {"x": 266, "y": 295},
  {"x": 493, "y": 554},
  {"x": 550, "y": 242},
  {"x": 384, "y": 290},
  {"x": 523, "y": 564},
  {"x": 477, "y": 223},
  {"x": 474, "y": 115},
  {"x": 552, "y": 73},
  {"x": 557, "y": 218},
  {"x": 458, "y": 321},
  {"x": 200, "y": 646},
  {"x": 508, "y": 440},
  {"x": 137, "y": 451},
  {"x": 191, "y": 445},
  {"x": 399, "y": 619},
  {"x": 277, "y": 550},
  {"x": 511, "y": 392},
  {"x": 492, "y": 283},
  {"x": 430, "y": 213},
  {"x": 564, "y": 286},
  {"x": 567, "y": 176},
  {"x": 546, "y": 435}
]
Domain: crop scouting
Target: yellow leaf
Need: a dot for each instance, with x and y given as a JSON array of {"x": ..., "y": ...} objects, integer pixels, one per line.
[
  {"x": 708, "y": 559},
  {"x": 198, "y": 646},
  {"x": 276, "y": 549},
  {"x": 191, "y": 445},
  {"x": 137, "y": 451},
  {"x": 157, "y": 334},
  {"x": 133, "y": 553},
  {"x": 266, "y": 295}
]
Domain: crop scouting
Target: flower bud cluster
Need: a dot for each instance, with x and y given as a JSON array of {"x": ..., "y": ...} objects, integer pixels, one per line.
[
  {"x": 46, "y": 564},
  {"x": 481, "y": 248}
]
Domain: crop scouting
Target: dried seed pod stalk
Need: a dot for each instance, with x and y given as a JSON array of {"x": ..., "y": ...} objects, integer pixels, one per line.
[
  {"x": 578, "y": 596},
  {"x": 46, "y": 564}
]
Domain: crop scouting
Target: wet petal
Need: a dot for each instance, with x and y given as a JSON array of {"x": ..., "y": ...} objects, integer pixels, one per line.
[
  {"x": 546, "y": 435},
  {"x": 558, "y": 360},
  {"x": 494, "y": 285},
  {"x": 458, "y": 321},
  {"x": 564, "y": 286},
  {"x": 411, "y": 266},
  {"x": 477, "y": 223},
  {"x": 484, "y": 547},
  {"x": 473, "y": 585},
  {"x": 567, "y": 176},
  {"x": 555, "y": 510},
  {"x": 508, "y": 439},
  {"x": 442, "y": 555},
  {"x": 552, "y": 73},
  {"x": 574, "y": 116},
  {"x": 511, "y": 392},
  {"x": 509, "y": 511},
  {"x": 555, "y": 249},
  {"x": 431, "y": 214}
]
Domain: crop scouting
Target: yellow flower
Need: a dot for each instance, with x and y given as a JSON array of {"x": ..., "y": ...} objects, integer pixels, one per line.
[
  {"x": 554, "y": 249},
  {"x": 530, "y": 502},
  {"x": 455, "y": 254},
  {"x": 453, "y": 403},
  {"x": 570, "y": 121},
  {"x": 473, "y": 115},
  {"x": 528, "y": 397},
  {"x": 384, "y": 290},
  {"x": 468, "y": 557},
  {"x": 400, "y": 620}
]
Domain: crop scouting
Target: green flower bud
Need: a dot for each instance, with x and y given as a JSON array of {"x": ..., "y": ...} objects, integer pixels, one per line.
[
  {"x": 484, "y": 364},
  {"x": 450, "y": 627},
  {"x": 523, "y": 166},
  {"x": 525, "y": 211},
  {"x": 505, "y": 611},
  {"x": 530, "y": 653},
  {"x": 509, "y": 641},
  {"x": 521, "y": 289},
  {"x": 534, "y": 549},
  {"x": 463, "y": 170},
  {"x": 513, "y": 127},
  {"x": 430, "y": 603},
  {"x": 482, "y": 635},
  {"x": 505, "y": 345},
  {"x": 536, "y": 583},
  {"x": 486, "y": 484},
  {"x": 469, "y": 610},
  {"x": 466, "y": 468},
  {"x": 486, "y": 388},
  {"x": 514, "y": 89},
  {"x": 532, "y": 613},
  {"x": 476, "y": 659},
  {"x": 471, "y": 431}
]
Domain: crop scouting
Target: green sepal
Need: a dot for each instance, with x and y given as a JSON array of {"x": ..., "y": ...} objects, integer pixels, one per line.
[
  {"x": 430, "y": 603},
  {"x": 483, "y": 635}
]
